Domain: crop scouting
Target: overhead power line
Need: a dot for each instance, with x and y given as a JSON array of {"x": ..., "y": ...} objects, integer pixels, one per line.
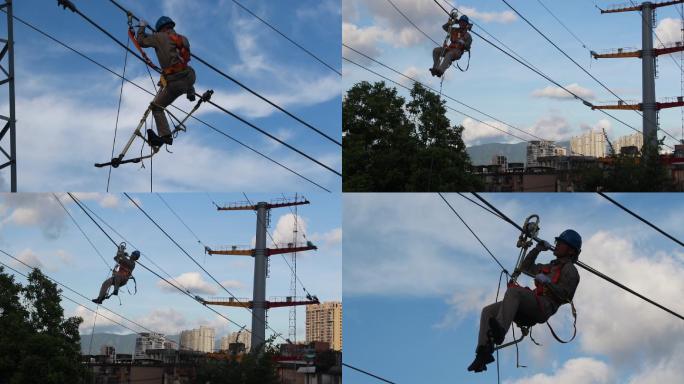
[
  {"x": 234, "y": 80},
  {"x": 641, "y": 219},
  {"x": 449, "y": 107},
  {"x": 563, "y": 24},
  {"x": 368, "y": 373},
  {"x": 434, "y": 90},
  {"x": 175, "y": 107},
  {"x": 185, "y": 292},
  {"x": 582, "y": 264},
  {"x": 71, "y": 7},
  {"x": 576, "y": 63},
  {"x": 200, "y": 265},
  {"x": 576, "y": 96},
  {"x": 77, "y": 293},
  {"x": 503, "y": 269}
]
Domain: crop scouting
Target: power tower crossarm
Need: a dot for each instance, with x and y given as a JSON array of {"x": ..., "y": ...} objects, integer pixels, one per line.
[
  {"x": 621, "y": 53},
  {"x": 639, "y": 7},
  {"x": 248, "y": 206},
  {"x": 287, "y": 302},
  {"x": 269, "y": 251},
  {"x": 675, "y": 102}
]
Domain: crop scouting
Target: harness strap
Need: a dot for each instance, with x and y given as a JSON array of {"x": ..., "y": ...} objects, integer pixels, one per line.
[
  {"x": 149, "y": 62},
  {"x": 574, "y": 326}
]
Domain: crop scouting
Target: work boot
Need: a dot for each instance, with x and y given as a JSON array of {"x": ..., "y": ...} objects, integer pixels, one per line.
[
  {"x": 168, "y": 139},
  {"x": 496, "y": 331},
  {"x": 115, "y": 292},
  {"x": 483, "y": 356},
  {"x": 433, "y": 72},
  {"x": 438, "y": 72},
  {"x": 153, "y": 139},
  {"x": 97, "y": 301}
]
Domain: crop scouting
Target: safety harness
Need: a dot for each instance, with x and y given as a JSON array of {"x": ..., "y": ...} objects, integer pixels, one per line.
[
  {"x": 182, "y": 52},
  {"x": 525, "y": 241}
]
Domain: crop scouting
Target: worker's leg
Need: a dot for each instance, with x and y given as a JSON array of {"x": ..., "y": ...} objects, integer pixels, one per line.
[
  {"x": 450, "y": 56},
  {"x": 119, "y": 281},
  {"x": 517, "y": 300},
  {"x": 487, "y": 312},
  {"x": 436, "y": 53},
  {"x": 177, "y": 84},
  {"x": 105, "y": 287}
]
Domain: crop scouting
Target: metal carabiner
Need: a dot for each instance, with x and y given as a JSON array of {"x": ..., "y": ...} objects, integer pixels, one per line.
[{"x": 531, "y": 226}]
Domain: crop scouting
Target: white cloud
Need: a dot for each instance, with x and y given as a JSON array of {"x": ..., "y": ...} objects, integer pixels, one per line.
[
  {"x": 332, "y": 238},
  {"x": 578, "y": 370},
  {"x": 669, "y": 31},
  {"x": 284, "y": 230},
  {"x": 667, "y": 370},
  {"x": 476, "y": 132},
  {"x": 29, "y": 257},
  {"x": 505, "y": 17},
  {"x": 634, "y": 330},
  {"x": 551, "y": 127},
  {"x": 193, "y": 281},
  {"x": 558, "y": 93},
  {"x": 166, "y": 321},
  {"x": 34, "y": 210}
]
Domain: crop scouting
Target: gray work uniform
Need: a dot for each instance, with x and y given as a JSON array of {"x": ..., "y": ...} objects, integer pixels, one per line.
[
  {"x": 118, "y": 280},
  {"x": 523, "y": 305},
  {"x": 177, "y": 83},
  {"x": 451, "y": 54}
]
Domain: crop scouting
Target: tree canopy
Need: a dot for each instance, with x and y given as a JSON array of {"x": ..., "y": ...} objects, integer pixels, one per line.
[{"x": 391, "y": 145}]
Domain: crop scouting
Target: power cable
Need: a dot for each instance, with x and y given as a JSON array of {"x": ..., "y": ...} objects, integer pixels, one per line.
[
  {"x": 179, "y": 109},
  {"x": 187, "y": 293},
  {"x": 78, "y": 293},
  {"x": 179, "y": 219},
  {"x": 368, "y": 373},
  {"x": 503, "y": 269},
  {"x": 118, "y": 110},
  {"x": 641, "y": 219},
  {"x": 434, "y": 90},
  {"x": 576, "y": 96},
  {"x": 582, "y": 264},
  {"x": 577, "y": 64},
  {"x": 81, "y": 229},
  {"x": 447, "y": 106},
  {"x": 278, "y": 107},
  {"x": 131, "y": 243},
  {"x": 71, "y": 7},
  {"x": 200, "y": 265},
  {"x": 562, "y": 24},
  {"x": 287, "y": 38}
]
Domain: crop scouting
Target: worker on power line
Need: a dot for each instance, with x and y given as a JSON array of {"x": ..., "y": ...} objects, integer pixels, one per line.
[
  {"x": 121, "y": 273},
  {"x": 459, "y": 41},
  {"x": 173, "y": 53},
  {"x": 555, "y": 285}
]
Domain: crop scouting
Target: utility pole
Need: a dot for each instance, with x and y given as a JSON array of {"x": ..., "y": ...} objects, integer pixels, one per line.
[
  {"x": 10, "y": 159},
  {"x": 259, "y": 305},
  {"x": 649, "y": 106},
  {"x": 292, "y": 331}
]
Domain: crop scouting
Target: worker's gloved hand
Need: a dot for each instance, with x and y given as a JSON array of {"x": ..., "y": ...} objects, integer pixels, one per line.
[
  {"x": 542, "y": 278},
  {"x": 544, "y": 245}
]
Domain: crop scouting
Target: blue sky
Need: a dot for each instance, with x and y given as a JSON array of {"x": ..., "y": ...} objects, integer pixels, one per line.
[
  {"x": 415, "y": 281},
  {"x": 501, "y": 87},
  {"x": 66, "y": 106},
  {"x": 34, "y": 228}
]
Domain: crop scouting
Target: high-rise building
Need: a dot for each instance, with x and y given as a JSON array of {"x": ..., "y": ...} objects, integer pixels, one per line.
[
  {"x": 324, "y": 323},
  {"x": 541, "y": 148},
  {"x": 243, "y": 337},
  {"x": 148, "y": 340},
  {"x": 592, "y": 143},
  {"x": 501, "y": 161},
  {"x": 201, "y": 339},
  {"x": 633, "y": 140}
]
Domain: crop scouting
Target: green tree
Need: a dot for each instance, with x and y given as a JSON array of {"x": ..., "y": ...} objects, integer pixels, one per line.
[
  {"x": 391, "y": 145},
  {"x": 37, "y": 344},
  {"x": 626, "y": 173},
  {"x": 256, "y": 367}
]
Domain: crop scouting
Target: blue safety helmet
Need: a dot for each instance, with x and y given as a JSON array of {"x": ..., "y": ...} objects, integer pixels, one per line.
[
  {"x": 571, "y": 238},
  {"x": 464, "y": 18},
  {"x": 163, "y": 21},
  {"x": 135, "y": 255}
]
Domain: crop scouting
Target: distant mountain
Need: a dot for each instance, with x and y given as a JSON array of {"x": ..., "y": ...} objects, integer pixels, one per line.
[{"x": 515, "y": 153}]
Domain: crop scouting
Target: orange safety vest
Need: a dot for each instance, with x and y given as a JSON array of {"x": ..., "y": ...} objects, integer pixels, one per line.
[
  {"x": 183, "y": 54},
  {"x": 555, "y": 272},
  {"x": 456, "y": 35},
  {"x": 124, "y": 271}
]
